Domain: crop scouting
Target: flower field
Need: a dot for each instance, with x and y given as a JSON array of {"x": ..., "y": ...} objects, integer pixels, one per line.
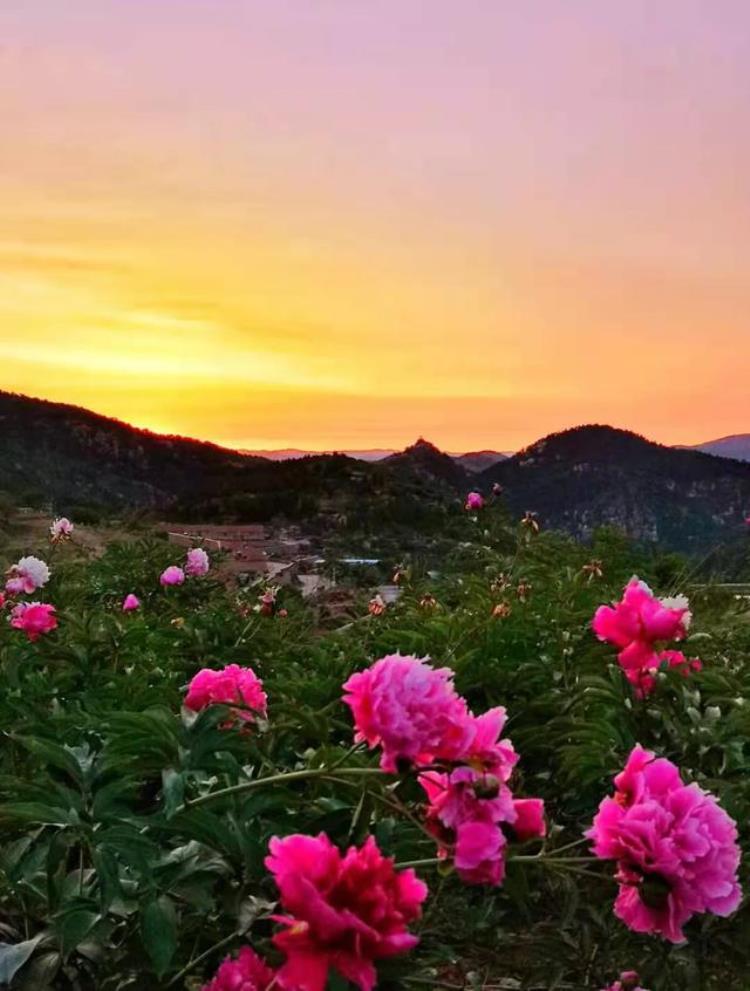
[{"x": 530, "y": 772}]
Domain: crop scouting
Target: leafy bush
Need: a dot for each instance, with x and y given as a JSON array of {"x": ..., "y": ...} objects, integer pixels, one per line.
[{"x": 134, "y": 834}]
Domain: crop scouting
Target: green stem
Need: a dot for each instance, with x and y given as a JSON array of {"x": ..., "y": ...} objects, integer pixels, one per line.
[
  {"x": 286, "y": 776},
  {"x": 199, "y": 960},
  {"x": 539, "y": 858},
  {"x": 430, "y": 862}
]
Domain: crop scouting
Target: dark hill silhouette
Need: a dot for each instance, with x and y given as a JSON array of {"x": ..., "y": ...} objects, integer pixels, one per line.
[
  {"x": 591, "y": 475},
  {"x": 428, "y": 462},
  {"x": 576, "y": 480}
]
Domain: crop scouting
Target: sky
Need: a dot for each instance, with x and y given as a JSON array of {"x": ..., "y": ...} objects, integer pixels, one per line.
[{"x": 348, "y": 223}]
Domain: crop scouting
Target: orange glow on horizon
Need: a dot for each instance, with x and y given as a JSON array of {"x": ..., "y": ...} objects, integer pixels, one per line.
[{"x": 353, "y": 227}]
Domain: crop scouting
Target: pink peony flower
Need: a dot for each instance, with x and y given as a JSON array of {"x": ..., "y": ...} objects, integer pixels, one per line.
[
  {"x": 478, "y": 856},
  {"x": 676, "y": 848},
  {"x": 474, "y": 501},
  {"x": 248, "y": 972},
  {"x": 529, "y": 822},
  {"x": 639, "y": 616},
  {"x": 232, "y": 684},
  {"x": 34, "y": 618},
  {"x": 464, "y": 812},
  {"x": 410, "y": 709},
  {"x": 343, "y": 912},
  {"x": 629, "y": 981},
  {"x": 635, "y": 625},
  {"x": 61, "y": 529},
  {"x": 27, "y": 576},
  {"x": 197, "y": 563},
  {"x": 469, "y": 805},
  {"x": 172, "y": 576},
  {"x": 641, "y": 663},
  {"x": 2, "y": 600},
  {"x": 130, "y": 603}
]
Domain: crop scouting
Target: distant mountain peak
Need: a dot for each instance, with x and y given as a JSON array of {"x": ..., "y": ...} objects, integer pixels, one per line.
[
  {"x": 735, "y": 446},
  {"x": 424, "y": 446}
]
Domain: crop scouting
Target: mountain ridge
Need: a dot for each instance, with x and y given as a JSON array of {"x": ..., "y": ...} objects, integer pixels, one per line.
[{"x": 575, "y": 479}]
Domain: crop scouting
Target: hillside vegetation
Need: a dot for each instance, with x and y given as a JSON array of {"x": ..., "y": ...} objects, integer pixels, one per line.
[{"x": 135, "y": 831}]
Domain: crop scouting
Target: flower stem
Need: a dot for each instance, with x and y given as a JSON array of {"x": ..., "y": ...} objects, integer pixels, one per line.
[
  {"x": 430, "y": 862},
  {"x": 286, "y": 776}
]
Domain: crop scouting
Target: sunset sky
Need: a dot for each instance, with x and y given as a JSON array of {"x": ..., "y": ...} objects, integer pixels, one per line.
[{"x": 345, "y": 223}]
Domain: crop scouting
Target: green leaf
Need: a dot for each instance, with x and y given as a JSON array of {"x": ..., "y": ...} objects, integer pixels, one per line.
[
  {"x": 54, "y": 754},
  {"x": 173, "y": 785},
  {"x": 39, "y": 812},
  {"x": 159, "y": 933},
  {"x": 108, "y": 874},
  {"x": 74, "y": 924},
  {"x": 14, "y": 955}
]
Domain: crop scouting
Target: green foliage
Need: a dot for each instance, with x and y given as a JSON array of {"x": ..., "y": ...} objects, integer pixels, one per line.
[{"x": 134, "y": 834}]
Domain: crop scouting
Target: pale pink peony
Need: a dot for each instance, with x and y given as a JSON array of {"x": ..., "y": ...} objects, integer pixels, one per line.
[
  {"x": 629, "y": 981},
  {"x": 474, "y": 501},
  {"x": 197, "y": 563},
  {"x": 676, "y": 848},
  {"x": 172, "y": 576},
  {"x": 27, "y": 576},
  {"x": 61, "y": 529},
  {"x": 34, "y": 618},
  {"x": 130, "y": 603},
  {"x": 343, "y": 911},
  {"x": 410, "y": 709},
  {"x": 232, "y": 684},
  {"x": 246, "y": 972}
]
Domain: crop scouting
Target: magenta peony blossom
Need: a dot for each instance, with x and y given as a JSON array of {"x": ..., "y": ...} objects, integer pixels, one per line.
[
  {"x": 61, "y": 529},
  {"x": 676, "y": 848},
  {"x": 629, "y": 981},
  {"x": 27, "y": 576},
  {"x": 172, "y": 576},
  {"x": 640, "y": 616},
  {"x": 636, "y": 625},
  {"x": 464, "y": 812},
  {"x": 130, "y": 603},
  {"x": 474, "y": 501},
  {"x": 197, "y": 563},
  {"x": 248, "y": 972},
  {"x": 231, "y": 684},
  {"x": 469, "y": 806},
  {"x": 478, "y": 855},
  {"x": 529, "y": 822},
  {"x": 641, "y": 663},
  {"x": 343, "y": 911},
  {"x": 34, "y": 618},
  {"x": 410, "y": 709},
  {"x": 2, "y": 600}
]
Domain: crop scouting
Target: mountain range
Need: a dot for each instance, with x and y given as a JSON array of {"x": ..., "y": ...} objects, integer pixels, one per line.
[
  {"x": 473, "y": 461},
  {"x": 575, "y": 480},
  {"x": 736, "y": 446}
]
